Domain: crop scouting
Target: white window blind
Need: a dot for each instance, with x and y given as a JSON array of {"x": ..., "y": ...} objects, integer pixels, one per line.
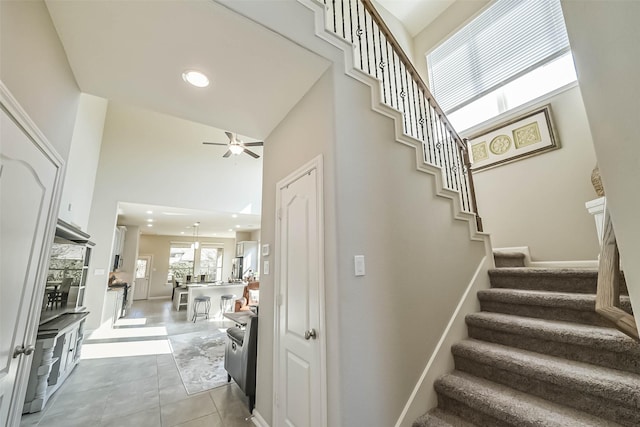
[{"x": 504, "y": 42}]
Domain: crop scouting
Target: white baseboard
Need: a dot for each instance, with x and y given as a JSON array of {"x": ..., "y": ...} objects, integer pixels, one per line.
[
  {"x": 547, "y": 264},
  {"x": 564, "y": 264},
  {"x": 258, "y": 420},
  {"x": 161, "y": 297}
]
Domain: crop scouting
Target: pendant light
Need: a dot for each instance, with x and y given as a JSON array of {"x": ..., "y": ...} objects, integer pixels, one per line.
[{"x": 196, "y": 243}]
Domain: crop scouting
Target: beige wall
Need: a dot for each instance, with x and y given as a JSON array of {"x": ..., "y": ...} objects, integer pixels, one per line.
[
  {"x": 158, "y": 248},
  {"x": 539, "y": 201},
  {"x": 605, "y": 37},
  {"x": 284, "y": 151},
  {"x": 34, "y": 67},
  {"x": 419, "y": 259},
  {"x": 84, "y": 155}
]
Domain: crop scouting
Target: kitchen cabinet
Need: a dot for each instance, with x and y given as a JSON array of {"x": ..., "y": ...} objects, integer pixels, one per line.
[
  {"x": 118, "y": 246},
  {"x": 57, "y": 352},
  {"x": 113, "y": 303}
]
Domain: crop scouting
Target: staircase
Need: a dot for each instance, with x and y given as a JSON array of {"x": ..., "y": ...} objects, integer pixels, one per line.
[{"x": 539, "y": 355}]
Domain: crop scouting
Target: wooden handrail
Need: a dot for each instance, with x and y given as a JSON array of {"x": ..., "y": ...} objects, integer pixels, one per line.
[
  {"x": 608, "y": 293},
  {"x": 410, "y": 68}
]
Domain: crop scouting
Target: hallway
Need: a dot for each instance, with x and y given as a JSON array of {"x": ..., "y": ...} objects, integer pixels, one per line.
[{"x": 127, "y": 377}]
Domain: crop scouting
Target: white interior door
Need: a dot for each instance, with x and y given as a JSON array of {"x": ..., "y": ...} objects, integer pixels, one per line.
[
  {"x": 143, "y": 277},
  {"x": 29, "y": 184},
  {"x": 300, "y": 374}
]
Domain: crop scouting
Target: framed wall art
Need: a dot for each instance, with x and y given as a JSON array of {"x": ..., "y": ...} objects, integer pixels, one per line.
[{"x": 524, "y": 136}]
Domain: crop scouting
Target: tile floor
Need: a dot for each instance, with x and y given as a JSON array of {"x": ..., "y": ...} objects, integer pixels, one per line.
[{"x": 138, "y": 384}]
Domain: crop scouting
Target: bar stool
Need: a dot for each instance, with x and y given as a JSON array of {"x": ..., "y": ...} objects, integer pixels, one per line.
[
  {"x": 226, "y": 304},
  {"x": 206, "y": 301}
]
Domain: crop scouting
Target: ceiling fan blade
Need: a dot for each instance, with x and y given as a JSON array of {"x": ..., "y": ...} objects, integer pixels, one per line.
[
  {"x": 251, "y": 153},
  {"x": 216, "y": 143},
  {"x": 230, "y": 135},
  {"x": 227, "y": 154},
  {"x": 253, "y": 144}
]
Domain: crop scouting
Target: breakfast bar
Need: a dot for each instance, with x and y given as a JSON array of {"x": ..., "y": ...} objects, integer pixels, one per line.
[{"x": 214, "y": 291}]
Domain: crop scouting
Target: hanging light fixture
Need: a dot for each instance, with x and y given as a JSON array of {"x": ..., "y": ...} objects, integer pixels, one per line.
[{"x": 196, "y": 243}]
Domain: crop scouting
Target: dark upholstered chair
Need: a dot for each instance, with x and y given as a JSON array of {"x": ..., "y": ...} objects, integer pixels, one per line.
[{"x": 240, "y": 358}]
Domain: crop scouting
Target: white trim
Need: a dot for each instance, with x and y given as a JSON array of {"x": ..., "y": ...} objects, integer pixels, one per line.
[
  {"x": 546, "y": 98},
  {"x": 258, "y": 420},
  {"x": 546, "y": 264},
  {"x": 160, "y": 297},
  {"x": 13, "y": 108},
  {"x": 317, "y": 164},
  {"x": 565, "y": 264},
  {"x": 423, "y": 392}
]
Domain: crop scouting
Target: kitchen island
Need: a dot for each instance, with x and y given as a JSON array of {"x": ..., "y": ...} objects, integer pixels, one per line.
[{"x": 215, "y": 291}]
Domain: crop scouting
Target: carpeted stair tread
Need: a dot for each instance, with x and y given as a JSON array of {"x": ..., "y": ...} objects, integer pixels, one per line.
[
  {"x": 552, "y": 330},
  {"x": 508, "y": 259},
  {"x": 610, "y": 384},
  {"x": 574, "y": 301},
  {"x": 510, "y": 406},
  {"x": 580, "y": 280},
  {"x": 439, "y": 418}
]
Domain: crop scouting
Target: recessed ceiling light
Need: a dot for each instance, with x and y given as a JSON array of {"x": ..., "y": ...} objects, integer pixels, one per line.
[
  {"x": 182, "y": 232},
  {"x": 149, "y": 212},
  {"x": 195, "y": 78},
  {"x": 231, "y": 229},
  {"x": 150, "y": 220},
  {"x": 237, "y": 226},
  {"x": 234, "y": 216},
  {"x": 215, "y": 234},
  {"x": 149, "y": 225}
]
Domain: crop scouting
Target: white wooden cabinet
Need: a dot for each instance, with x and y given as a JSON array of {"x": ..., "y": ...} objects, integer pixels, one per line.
[
  {"x": 118, "y": 246},
  {"x": 57, "y": 352}
]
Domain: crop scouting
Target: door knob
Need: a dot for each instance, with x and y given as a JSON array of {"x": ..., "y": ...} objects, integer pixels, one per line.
[
  {"x": 21, "y": 349},
  {"x": 311, "y": 333}
]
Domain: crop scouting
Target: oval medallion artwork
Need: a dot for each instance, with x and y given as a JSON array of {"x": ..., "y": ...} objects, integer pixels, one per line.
[
  {"x": 500, "y": 144},
  {"x": 524, "y": 136}
]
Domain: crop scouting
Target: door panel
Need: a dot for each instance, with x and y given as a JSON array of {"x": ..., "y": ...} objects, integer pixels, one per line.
[
  {"x": 300, "y": 400},
  {"x": 28, "y": 178},
  {"x": 298, "y": 378}
]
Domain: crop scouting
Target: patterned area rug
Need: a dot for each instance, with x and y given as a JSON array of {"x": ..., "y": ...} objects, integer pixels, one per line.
[{"x": 200, "y": 359}]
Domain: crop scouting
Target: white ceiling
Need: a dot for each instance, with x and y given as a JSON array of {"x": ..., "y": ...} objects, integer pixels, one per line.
[
  {"x": 416, "y": 14},
  {"x": 134, "y": 52},
  {"x": 177, "y": 221}
]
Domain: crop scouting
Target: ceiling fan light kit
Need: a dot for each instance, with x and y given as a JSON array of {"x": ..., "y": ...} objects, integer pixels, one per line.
[{"x": 236, "y": 146}]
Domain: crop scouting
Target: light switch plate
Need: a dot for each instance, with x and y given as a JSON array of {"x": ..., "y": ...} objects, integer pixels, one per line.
[
  {"x": 265, "y": 249},
  {"x": 358, "y": 261},
  {"x": 265, "y": 268}
]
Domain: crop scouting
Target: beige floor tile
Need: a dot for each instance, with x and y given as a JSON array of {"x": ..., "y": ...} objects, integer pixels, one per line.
[
  {"x": 211, "y": 420},
  {"x": 131, "y": 397},
  {"x": 147, "y": 418},
  {"x": 141, "y": 391},
  {"x": 187, "y": 410},
  {"x": 172, "y": 393}
]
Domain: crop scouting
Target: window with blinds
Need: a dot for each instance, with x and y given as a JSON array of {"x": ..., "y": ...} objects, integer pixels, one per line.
[{"x": 508, "y": 41}]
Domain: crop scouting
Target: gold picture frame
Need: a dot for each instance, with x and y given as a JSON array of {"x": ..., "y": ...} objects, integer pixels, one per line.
[{"x": 521, "y": 137}]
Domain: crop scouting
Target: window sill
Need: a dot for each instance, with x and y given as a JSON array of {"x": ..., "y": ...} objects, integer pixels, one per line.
[{"x": 514, "y": 112}]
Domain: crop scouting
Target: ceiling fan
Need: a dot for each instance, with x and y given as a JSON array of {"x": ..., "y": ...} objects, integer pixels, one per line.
[{"x": 236, "y": 146}]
